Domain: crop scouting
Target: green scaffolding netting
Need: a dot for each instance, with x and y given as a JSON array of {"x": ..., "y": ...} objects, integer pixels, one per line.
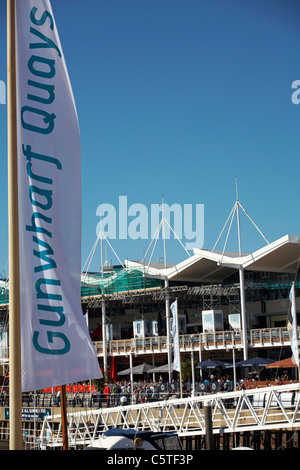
[
  {"x": 120, "y": 280},
  {"x": 132, "y": 279},
  {"x": 114, "y": 281}
]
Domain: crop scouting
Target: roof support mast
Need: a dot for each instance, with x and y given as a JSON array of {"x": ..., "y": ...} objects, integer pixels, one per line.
[
  {"x": 167, "y": 299},
  {"x": 234, "y": 210},
  {"x": 242, "y": 281}
]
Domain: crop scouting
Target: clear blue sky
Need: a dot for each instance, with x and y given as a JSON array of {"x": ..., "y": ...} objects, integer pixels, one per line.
[{"x": 178, "y": 97}]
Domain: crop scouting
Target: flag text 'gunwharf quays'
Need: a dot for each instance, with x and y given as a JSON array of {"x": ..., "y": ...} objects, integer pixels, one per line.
[
  {"x": 38, "y": 120},
  {"x": 55, "y": 342}
]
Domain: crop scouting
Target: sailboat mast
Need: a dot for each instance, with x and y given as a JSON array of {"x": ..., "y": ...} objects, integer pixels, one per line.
[{"x": 15, "y": 390}]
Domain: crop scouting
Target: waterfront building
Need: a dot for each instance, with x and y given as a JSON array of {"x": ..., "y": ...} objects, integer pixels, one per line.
[{"x": 250, "y": 290}]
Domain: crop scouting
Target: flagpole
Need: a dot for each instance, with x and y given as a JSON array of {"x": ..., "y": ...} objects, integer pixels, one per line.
[
  {"x": 294, "y": 338},
  {"x": 176, "y": 333},
  {"x": 178, "y": 339},
  {"x": 63, "y": 397},
  {"x": 15, "y": 390}
]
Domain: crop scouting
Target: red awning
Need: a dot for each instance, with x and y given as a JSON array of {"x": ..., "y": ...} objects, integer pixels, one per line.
[{"x": 285, "y": 364}]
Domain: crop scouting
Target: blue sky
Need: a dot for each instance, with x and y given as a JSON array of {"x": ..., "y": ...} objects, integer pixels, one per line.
[{"x": 178, "y": 98}]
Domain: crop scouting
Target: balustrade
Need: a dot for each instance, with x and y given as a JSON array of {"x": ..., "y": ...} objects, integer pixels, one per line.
[
  {"x": 209, "y": 341},
  {"x": 266, "y": 337}
]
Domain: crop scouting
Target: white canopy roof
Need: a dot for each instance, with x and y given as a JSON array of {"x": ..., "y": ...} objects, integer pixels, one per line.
[{"x": 281, "y": 256}]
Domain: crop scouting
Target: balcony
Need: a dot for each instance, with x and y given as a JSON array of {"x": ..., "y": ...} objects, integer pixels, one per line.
[{"x": 220, "y": 340}]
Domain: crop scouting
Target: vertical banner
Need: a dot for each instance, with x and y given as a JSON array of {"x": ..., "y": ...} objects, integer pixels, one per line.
[
  {"x": 56, "y": 346},
  {"x": 293, "y": 327},
  {"x": 175, "y": 331}
]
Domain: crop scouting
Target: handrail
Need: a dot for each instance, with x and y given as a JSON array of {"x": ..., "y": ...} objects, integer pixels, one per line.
[
  {"x": 246, "y": 410},
  {"x": 219, "y": 340},
  {"x": 264, "y": 337}
]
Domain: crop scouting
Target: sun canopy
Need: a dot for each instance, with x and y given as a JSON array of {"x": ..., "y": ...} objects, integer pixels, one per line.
[
  {"x": 254, "y": 362},
  {"x": 159, "y": 369},
  {"x": 210, "y": 364},
  {"x": 138, "y": 370},
  {"x": 285, "y": 363}
]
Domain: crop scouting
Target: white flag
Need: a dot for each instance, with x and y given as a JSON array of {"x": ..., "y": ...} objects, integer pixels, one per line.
[
  {"x": 176, "y": 360},
  {"x": 294, "y": 336},
  {"x": 56, "y": 346}
]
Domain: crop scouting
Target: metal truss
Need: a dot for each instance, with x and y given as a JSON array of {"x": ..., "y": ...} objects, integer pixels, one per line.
[
  {"x": 247, "y": 410},
  {"x": 211, "y": 292}
]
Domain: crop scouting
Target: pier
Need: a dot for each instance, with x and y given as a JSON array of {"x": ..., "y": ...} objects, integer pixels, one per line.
[
  {"x": 259, "y": 412},
  {"x": 267, "y": 417}
]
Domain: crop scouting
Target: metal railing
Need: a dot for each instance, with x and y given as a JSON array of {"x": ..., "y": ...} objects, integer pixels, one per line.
[
  {"x": 219, "y": 340},
  {"x": 266, "y": 337},
  {"x": 246, "y": 410}
]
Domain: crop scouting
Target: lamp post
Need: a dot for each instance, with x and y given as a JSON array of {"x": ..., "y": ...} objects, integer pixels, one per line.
[
  {"x": 131, "y": 376},
  {"x": 234, "y": 368},
  {"x": 192, "y": 366}
]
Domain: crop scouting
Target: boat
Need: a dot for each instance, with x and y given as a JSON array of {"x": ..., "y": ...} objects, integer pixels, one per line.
[
  {"x": 131, "y": 439},
  {"x": 242, "y": 448}
]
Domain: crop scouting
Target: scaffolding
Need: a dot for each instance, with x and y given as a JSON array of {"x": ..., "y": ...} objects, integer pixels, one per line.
[{"x": 116, "y": 281}]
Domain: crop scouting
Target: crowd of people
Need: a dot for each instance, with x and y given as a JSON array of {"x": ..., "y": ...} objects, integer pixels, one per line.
[{"x": 120, "y": 392}]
